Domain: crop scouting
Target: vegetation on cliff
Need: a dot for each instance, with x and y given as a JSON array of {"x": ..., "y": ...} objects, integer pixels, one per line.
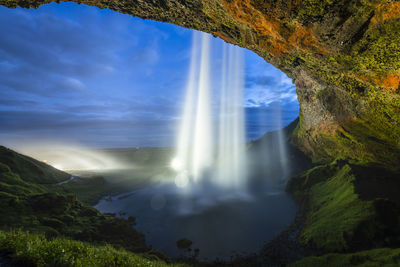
[
  {"x": 46, "y": 209},
  {"x": 349, "y": 207}
]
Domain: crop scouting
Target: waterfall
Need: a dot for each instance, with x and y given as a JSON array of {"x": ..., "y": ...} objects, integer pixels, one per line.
[
  {"x": 198, "y": 157},
  {"x": 283, "y": 160},
  {"x": 231, "y": 149},
  {"x": 203, "y": 135},
  {"x": 182, "y": 163},
  {"x": 195, "y": 138}
]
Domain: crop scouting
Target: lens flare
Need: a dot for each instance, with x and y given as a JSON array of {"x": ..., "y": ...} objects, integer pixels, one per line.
[
  {"x": 176, "y": 164},
  {"x": 182, "y": 179}
]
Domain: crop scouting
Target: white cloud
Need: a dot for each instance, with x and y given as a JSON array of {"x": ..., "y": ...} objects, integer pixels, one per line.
[{"x": 72, "y": 84}]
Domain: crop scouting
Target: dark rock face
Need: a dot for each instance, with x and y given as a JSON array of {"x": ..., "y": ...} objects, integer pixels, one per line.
[{"x": 344, "y": 57}]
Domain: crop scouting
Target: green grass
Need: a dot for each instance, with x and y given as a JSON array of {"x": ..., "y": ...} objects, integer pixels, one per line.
[
  {"x": 37, "y": 250},
  {"x": 49, "y": 209},
  {"x": 338, "y": 219},
  {"x": 88, "y": 189},
  {"x": 371, "y": 258},
  {"x": 336, "y": 211}
]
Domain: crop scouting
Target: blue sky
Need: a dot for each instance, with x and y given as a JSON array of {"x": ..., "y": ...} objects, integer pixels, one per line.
[{"x": 72, "y": 73}]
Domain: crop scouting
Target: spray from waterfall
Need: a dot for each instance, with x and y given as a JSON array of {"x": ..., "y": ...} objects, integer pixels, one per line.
[{"x": 197, "y": 157}]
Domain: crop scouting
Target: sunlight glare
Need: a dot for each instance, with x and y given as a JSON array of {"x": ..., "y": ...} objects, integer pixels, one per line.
[
  {"x": 176, "y": 164},
  {"x": 58, "y": 167}
]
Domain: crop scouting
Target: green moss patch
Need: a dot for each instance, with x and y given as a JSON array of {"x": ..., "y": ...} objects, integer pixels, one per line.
[
  {"x": 309, "y": 10},
  {"x": 380, "y": 50}
]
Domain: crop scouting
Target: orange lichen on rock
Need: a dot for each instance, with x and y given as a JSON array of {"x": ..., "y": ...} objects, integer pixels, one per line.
[
  {"x": 391, "y": 82},
  {"x": 269, "y": 28},
  {"x": 328, "y": 128},
  {"x": 303, "y": 38},
  {"x": 386, "y": 11}
]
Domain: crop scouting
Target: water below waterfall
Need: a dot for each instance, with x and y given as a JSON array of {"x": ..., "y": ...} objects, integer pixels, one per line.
[{"x": 220, "y": 225}]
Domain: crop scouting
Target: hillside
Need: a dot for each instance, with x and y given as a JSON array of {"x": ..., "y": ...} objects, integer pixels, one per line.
[
  {"x": 29, "y": 204},
  {"x": 29, "y": 169},
  {"x": 37, "y": 250}
]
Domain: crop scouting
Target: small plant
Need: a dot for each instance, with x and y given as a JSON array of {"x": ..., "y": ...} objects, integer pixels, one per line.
[{"x": 185, "y": 245}]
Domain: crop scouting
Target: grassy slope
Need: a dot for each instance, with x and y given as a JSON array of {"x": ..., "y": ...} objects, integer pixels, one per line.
[
  {"x": 29, "y": 169},
  {"x": 341, "y": 215},
  {"x": 37, "y": 250},
  {"x": 349, "y": 207},
  {"x": 336, "y": 210},
  {"x": 371, "y": 258},
  {"x": 88, "y": 189},
  {"x": 41, "y": 208}
]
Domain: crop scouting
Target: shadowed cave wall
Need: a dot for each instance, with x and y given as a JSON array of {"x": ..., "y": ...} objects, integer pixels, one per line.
[{"x": 343, "y": 56}]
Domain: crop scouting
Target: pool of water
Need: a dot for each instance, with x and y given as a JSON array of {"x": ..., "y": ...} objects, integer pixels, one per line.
[{"x": 220, "y": 223}]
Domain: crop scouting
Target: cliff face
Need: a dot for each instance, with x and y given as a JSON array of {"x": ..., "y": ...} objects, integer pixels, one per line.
[{"x": 343, "y": 55}]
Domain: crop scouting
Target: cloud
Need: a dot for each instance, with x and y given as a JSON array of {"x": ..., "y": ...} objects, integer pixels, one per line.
[
  {"x": 68, "y": 83},
  {"x": 107, "y": 79},
  {"x": 54, "y": 68},
  {"x": 146, "y": 56},
  {"x": 46, "y": 55},
  {"x": 252, "y": 81},
  {"x": 261, "y": 90}
]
